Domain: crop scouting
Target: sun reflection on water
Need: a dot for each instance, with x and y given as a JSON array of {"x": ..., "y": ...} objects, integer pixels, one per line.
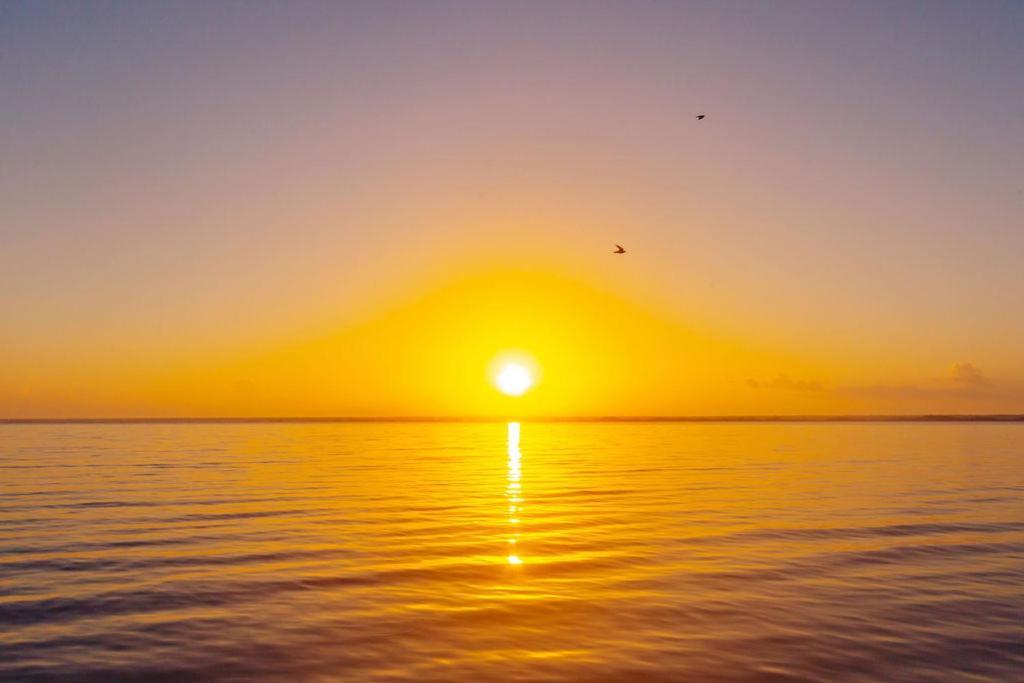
[{"x": 514, "y": 493}]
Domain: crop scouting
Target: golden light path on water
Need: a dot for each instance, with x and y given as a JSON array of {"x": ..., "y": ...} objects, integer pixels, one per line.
[{"x": 514, "y": 493}]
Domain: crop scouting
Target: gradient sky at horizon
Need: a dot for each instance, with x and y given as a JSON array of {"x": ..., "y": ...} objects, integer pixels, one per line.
[{"x": 205, "y": 207}]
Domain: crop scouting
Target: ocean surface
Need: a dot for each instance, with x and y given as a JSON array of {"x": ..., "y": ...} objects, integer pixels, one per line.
[{"x": 494, "y": 552}]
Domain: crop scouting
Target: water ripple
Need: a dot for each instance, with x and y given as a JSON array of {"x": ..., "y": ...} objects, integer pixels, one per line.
[{"x": 445, "y": 552}]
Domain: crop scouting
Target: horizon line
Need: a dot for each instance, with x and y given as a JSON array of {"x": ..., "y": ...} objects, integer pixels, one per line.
[{"x": 925, "y": 417}]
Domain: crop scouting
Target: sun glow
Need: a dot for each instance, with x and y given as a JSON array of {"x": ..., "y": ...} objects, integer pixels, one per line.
[{"x": 514, "y": 379}]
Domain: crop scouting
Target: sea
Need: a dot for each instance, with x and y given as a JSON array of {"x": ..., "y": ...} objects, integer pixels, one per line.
[{"x": 512, "y": 551}]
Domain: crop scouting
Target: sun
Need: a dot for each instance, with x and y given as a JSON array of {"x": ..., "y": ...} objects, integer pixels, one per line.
[{"x": 514, "y": 379}]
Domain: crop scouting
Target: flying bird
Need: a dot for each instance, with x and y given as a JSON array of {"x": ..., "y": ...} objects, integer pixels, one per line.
[
  {"x": 619, "y": 249},
  {"x": 700, "y": 117}
]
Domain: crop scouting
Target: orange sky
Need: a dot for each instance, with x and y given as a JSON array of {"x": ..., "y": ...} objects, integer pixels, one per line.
[
  {"x": 595, "y": 353},
  {"x": 352, "y": 210}
]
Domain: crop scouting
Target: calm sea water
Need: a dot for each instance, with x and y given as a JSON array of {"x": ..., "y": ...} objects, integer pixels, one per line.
[{"x": 491, "y": 552}]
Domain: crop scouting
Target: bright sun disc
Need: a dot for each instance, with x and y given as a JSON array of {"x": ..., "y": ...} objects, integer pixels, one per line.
[{"x": 513, "y": 379}]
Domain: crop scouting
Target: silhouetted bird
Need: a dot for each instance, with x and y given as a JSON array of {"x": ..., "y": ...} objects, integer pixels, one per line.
[
  {"x": 700, "y": 117},
  {"x": 619, "y": 249}
]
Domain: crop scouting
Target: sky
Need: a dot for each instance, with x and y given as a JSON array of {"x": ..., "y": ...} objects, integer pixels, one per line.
[{"x": 253, "y": 209}]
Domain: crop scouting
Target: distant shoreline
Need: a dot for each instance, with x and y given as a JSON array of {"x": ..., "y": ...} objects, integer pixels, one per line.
[{"x": 424, "y": 419}]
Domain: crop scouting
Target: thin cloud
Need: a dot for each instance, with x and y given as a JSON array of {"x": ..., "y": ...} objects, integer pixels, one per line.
[
  {"x": 785, "y": 383},
  {"x": 963, "y": 380},
  {"x": 968, "y": 375}
]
